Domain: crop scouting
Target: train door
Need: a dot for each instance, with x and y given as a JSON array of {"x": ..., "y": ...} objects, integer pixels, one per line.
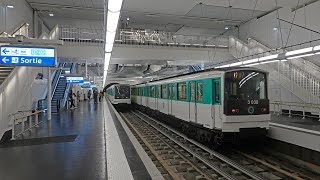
[
  {"x": 171, "y": 97},
  {"x": 192, "y": 103},
  {"x": 156, "y": 97},
  {"x": 216, "y": 107},
  {"x": 199, "y": 100}
]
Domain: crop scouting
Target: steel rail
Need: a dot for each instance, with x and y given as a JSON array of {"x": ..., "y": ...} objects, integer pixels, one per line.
[{"x": 211, "y": 152}]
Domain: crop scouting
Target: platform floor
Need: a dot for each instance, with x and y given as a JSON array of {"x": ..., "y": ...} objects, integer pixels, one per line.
[
  {"x": 296, "y": 121},
  {"x": 73, "y": 146}
]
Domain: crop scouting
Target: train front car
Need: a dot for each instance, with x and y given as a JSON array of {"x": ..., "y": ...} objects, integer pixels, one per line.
[
  {"x": 119, "y": 94},
  {"x": 246, "y": 103}
]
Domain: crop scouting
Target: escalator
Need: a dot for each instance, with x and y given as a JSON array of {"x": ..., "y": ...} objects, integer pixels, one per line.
[{"x": 60, "y": 89}]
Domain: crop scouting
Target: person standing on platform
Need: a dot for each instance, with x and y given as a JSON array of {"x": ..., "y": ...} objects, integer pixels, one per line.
[
  {"x": 89, "y": 95},
  {"x": 71, "y": 94},
  {"x": 78, "y": 96},
  {"x": 95, "y": 95},
  {"x": 100, "y": 96}
]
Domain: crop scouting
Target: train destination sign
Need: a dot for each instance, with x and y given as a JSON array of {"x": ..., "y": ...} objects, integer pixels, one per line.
[{"x": 27, "y": 56}]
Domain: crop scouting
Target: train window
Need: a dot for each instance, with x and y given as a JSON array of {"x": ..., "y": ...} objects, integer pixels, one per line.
[
  {"x": 140, "y": 91},
  {"x": 192, "y": 91},
  {"x": 245, "y": 85},
  {"x": 164, "y": 91},
  {"x": 199, "y": 92},
  {"x": 182, "y": 91},
  {"x": 216, "y": 92},
  {"x": 152, "y": 91},
  {"x": 171, "y": 91}
]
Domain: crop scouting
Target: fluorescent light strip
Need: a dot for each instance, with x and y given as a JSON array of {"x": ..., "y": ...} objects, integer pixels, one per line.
[
  {"x": 113, "y": 15},
  {"x": 268, "y": 57},
  {"x": 114, "y": 5},
  {"x": 299, "y": 51},
  {"x": 250, "y": 61},
  {"x": 112, "y": 21},
  {"x": 316, "y": 48},
  {"x": 304, "y": 55},
  {"x": 235, "y": 64},
  {"x": 251, "y": 65},
  {"x": 269, "y": 61}
]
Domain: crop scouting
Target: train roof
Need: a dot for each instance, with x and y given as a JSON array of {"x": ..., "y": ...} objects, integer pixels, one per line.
[{"x": 206, "y": 70}]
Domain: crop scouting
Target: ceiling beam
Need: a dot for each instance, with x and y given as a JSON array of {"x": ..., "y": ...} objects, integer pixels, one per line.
[{"x": 66, "y": 7}]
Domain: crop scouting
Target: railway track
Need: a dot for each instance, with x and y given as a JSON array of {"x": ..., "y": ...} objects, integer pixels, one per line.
[
  {"x": 279, "y": 169},
  {"x": 179, "y": 157}
]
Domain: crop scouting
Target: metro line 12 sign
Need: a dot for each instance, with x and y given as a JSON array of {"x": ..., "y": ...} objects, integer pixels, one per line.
[{"x": 27, "y": 56}]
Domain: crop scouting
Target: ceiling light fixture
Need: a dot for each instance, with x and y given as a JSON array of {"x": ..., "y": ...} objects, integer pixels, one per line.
[
  {"x": 10, "y": 6},
  {"x": 275, "y": 29},
  {"x": 51, "y": 14},
  {"x": 113, "y": 15},
  {"x": 226, "y": 28}
]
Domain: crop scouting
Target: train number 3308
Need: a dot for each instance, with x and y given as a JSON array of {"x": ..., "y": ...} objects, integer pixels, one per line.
[{"x": 253, "y": 102}]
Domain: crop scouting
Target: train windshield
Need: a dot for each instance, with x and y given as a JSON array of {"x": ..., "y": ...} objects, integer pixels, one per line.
[
  {"x": 245, "y": 85},
  {"x": 122, "y": 92}
]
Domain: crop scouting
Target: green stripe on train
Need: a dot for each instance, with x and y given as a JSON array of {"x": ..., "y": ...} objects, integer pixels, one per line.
[{"x": 208, "y": 91}]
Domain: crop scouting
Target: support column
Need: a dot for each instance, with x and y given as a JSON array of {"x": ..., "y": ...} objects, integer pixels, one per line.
[
  {"x": 35, "y": 24},
  {"x": 49, "y": 94},
  {"x": 86, "y": 69}
]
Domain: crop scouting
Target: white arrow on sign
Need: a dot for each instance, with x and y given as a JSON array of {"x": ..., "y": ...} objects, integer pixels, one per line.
[{"x": 5, "y": 60}]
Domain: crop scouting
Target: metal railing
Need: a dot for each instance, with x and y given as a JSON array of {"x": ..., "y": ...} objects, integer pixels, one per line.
[
  {"x": 293, "y": 108},
  {"x": 291, "y": 74},
  {"x": 82, "y": 36},
  {"x": 27, "y": 120},
  {"x": 23, "y": 30},
  {"x": 62, "y": 102}
]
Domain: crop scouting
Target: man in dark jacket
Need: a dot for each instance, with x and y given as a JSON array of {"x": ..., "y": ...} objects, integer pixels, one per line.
[{"x": 71, "y": 94}]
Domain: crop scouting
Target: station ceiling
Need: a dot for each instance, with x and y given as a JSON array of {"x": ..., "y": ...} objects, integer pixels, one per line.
[{"x": 179, "y": 16}]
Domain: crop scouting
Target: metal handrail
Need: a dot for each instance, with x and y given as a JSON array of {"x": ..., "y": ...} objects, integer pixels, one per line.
[
  {"x": 65, "y": 96},
  {"x": 23, "y": 119},
  {"x": 142, "y": 37},
  {"x": 280, "y": 104}
]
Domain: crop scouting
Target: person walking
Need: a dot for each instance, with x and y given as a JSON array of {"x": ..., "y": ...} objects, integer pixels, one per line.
[
  {"x": 89, "y": 95},
  {"x": 95, "y": 95},
  {"x": 71, "y": 94}
]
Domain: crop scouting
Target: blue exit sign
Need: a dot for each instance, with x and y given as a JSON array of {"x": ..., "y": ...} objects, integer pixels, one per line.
[{"x": 27, "y": 56}]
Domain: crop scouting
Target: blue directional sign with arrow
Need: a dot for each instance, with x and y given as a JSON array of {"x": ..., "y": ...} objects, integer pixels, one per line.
[{"x": 27, "y": 56}]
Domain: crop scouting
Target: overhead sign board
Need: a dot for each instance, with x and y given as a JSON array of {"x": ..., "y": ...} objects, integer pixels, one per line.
[
  {"x": 27, "y": 56},
  {"x": 75, "y": 80},
  {"x": 85, "y": 84}
]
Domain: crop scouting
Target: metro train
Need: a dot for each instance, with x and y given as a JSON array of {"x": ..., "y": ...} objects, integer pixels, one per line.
[
  {"x": 119, "y": 94},
  {"x": 213, "y": 106}
]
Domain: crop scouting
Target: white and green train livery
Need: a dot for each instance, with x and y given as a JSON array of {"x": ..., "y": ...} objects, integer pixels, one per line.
[
  {"x": 212, "y": 106},
  {"x": 119, "y": 94}
]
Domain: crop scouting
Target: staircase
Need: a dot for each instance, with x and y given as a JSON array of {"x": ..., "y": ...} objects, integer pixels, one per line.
[
  {"x": 299, "y": 78},
  {"x": 194, "y": 68},
  {"x": 5, "y": 72}
]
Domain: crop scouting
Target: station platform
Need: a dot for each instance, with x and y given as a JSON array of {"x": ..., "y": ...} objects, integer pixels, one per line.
[
  {"x": 295, "y": 130},
  {"x": 89, "y": 142}
]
